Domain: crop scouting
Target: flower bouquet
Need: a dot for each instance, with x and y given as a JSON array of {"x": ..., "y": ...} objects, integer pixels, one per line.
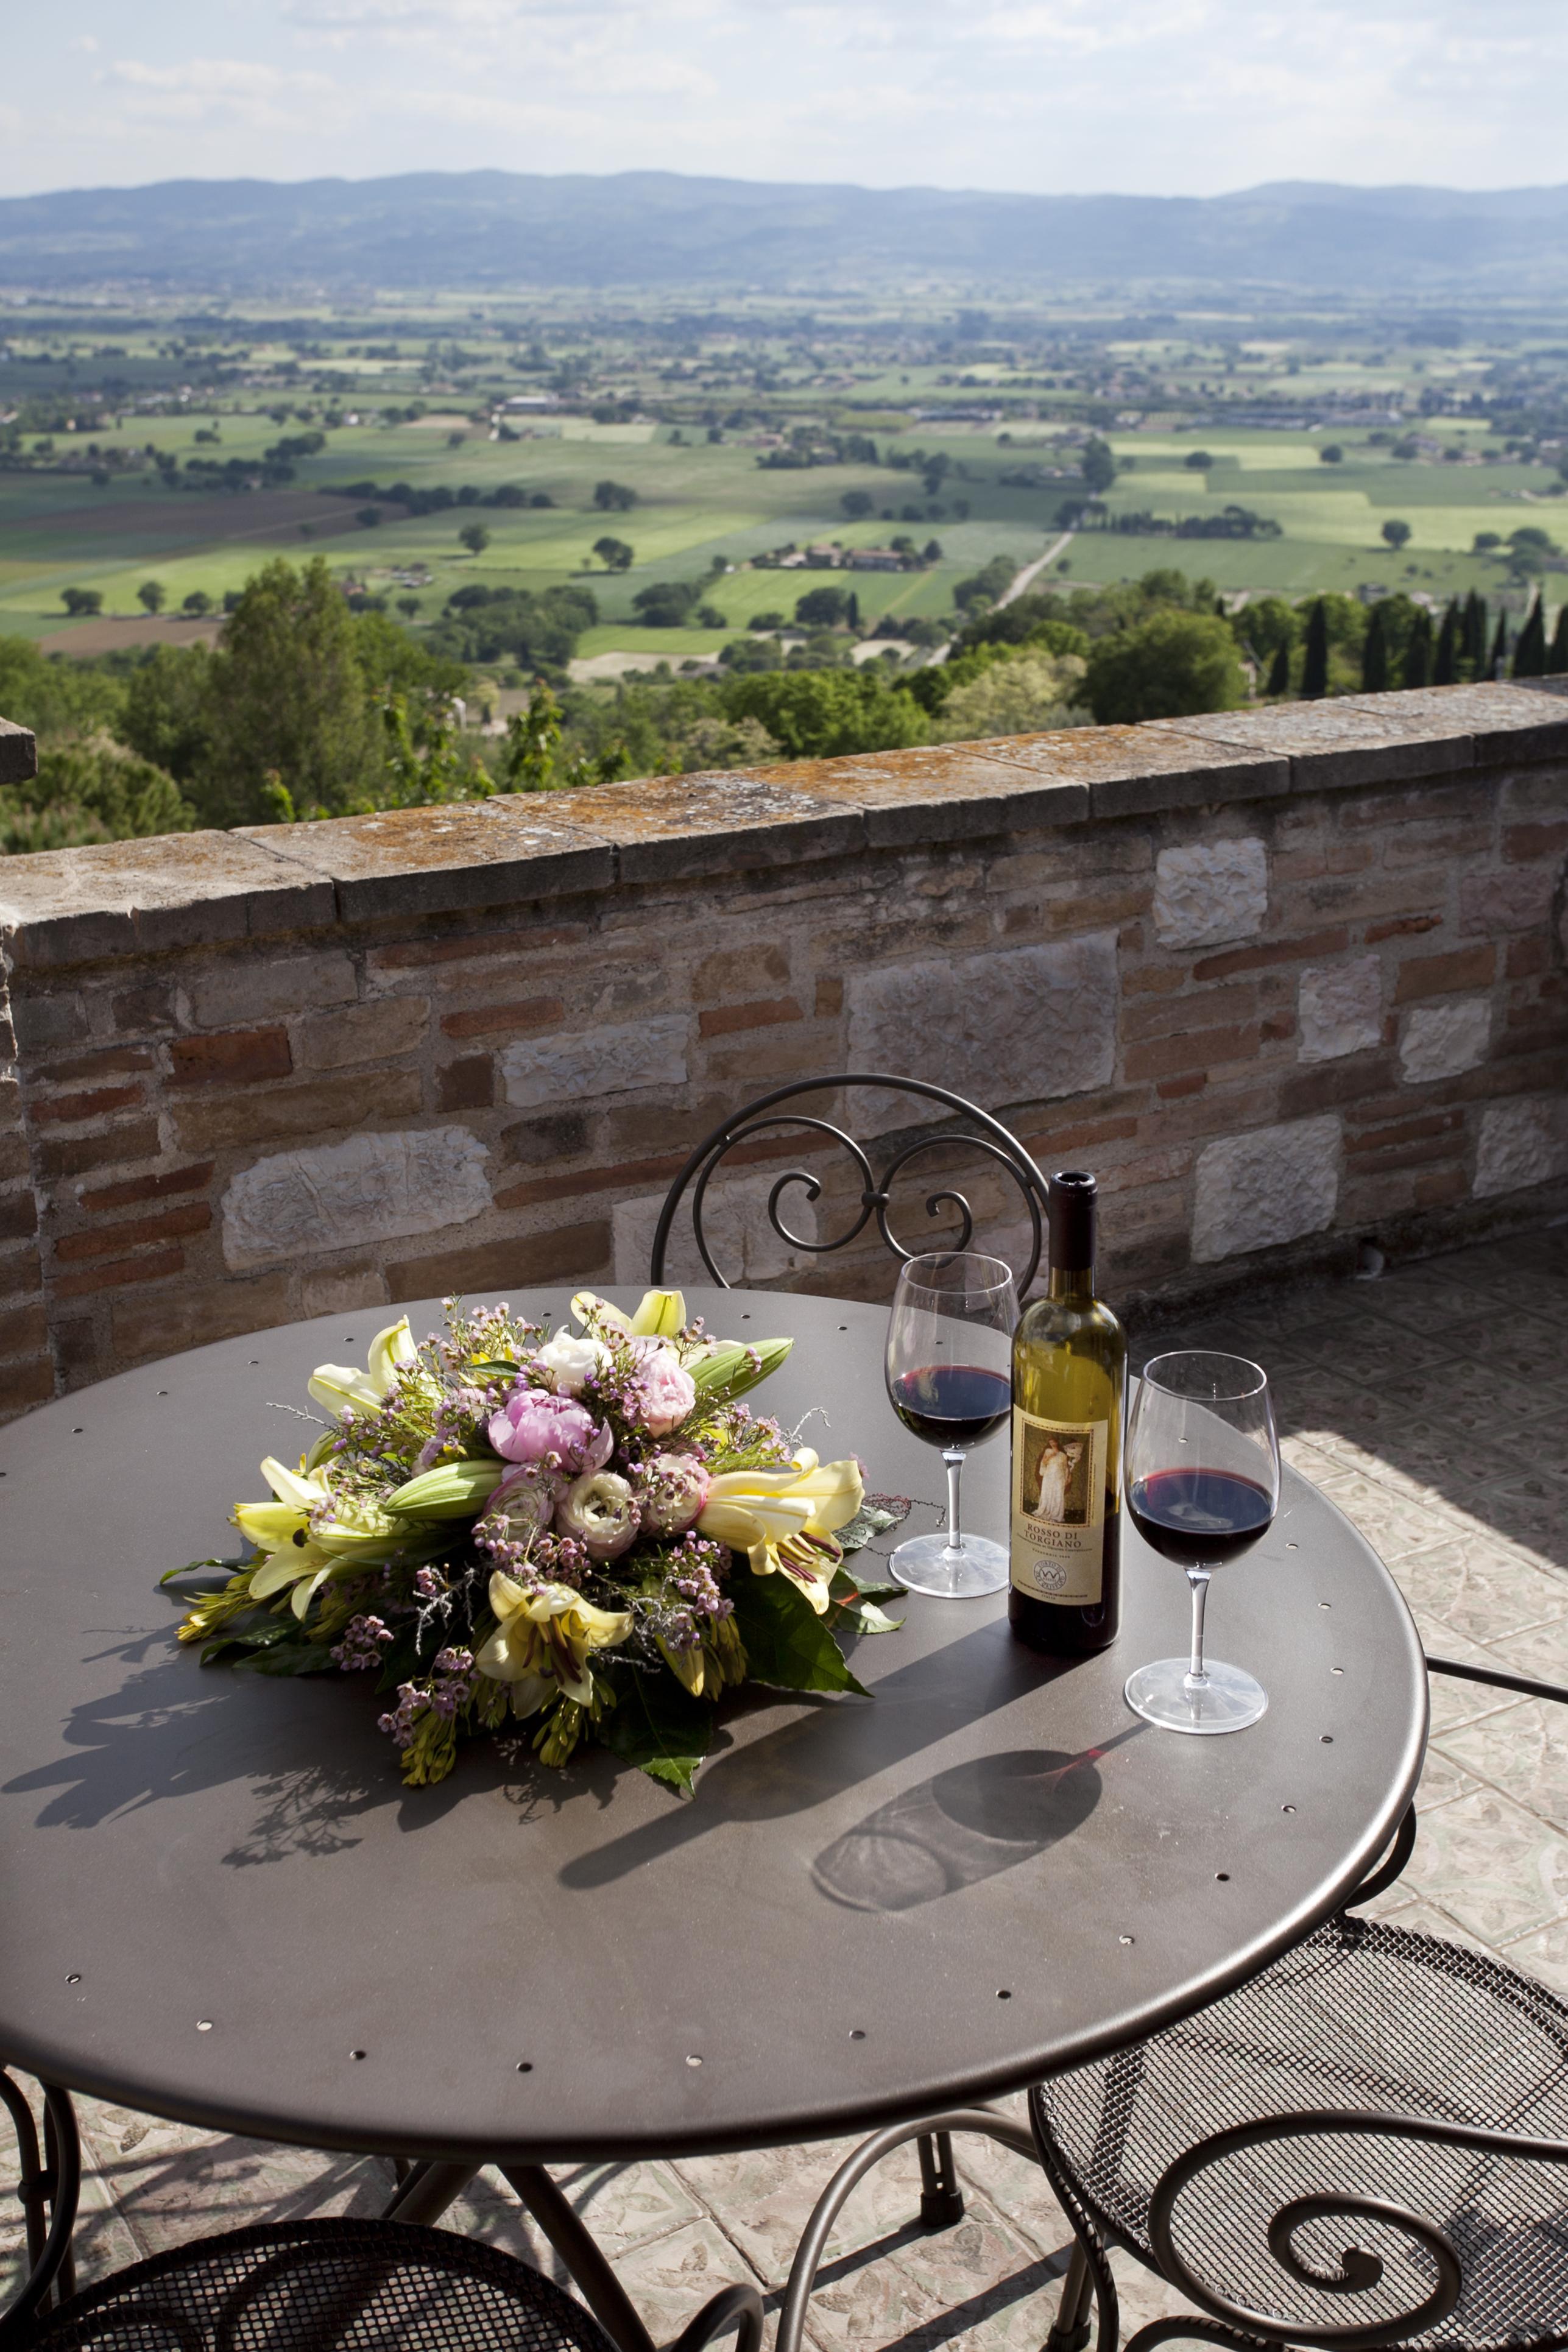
[{"x": 588, "y": 1532}]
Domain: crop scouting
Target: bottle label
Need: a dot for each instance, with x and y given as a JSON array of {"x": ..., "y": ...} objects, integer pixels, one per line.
[{"x": 1058, "y": 1509}]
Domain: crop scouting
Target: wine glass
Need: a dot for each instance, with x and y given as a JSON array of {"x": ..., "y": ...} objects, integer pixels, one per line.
[
  {"x": 950, "y": 1377},
  {"x": 1203, "y": 1483}
]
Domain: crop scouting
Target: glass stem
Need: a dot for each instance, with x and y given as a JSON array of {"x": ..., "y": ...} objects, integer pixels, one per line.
[
  {"x": 1198, "y": 1577},
  {"x": 954, "y": 1462}
]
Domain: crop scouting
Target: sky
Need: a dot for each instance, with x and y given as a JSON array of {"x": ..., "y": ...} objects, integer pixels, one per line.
[{"x": 1141, "y": 97}]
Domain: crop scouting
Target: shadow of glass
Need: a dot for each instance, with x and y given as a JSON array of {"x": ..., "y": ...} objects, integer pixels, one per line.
[{"x": 963, "y": 1825}]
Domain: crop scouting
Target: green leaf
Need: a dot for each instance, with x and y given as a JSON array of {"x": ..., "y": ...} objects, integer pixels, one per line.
[
  {"x": 786, "y": 1643},
  {"x": 197, "y": 1567},
  {"x": 659, "y": 1726},
  {"x": 872, "y": 1518},
  {"x": 289, "y": 1658},
  {"x": 495, "y": 1367}
]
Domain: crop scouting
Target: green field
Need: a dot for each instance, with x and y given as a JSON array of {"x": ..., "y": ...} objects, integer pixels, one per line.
[{"x": 681, "y": 419}]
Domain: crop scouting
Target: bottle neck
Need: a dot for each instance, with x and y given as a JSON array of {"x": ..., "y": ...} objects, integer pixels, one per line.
[{"x": 1074, "y": 1285}]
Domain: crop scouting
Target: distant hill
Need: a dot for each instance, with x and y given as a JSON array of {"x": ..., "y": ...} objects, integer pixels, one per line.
[{"x": 494, "y": 229}]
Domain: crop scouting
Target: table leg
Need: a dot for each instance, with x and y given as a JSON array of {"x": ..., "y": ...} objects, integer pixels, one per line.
[
  {"x": 941, "y": 2194},
  {"x": 428, "y": 2191},
  {"x": 1070, "y": 2330},
  {"x": 602, "y": 2290}
]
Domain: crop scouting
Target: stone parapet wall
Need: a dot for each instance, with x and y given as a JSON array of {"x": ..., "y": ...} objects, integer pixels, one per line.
[{"x": 1286, "y": 977}]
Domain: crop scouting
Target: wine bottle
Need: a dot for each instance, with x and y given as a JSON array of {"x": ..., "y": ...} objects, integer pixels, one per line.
[{"x": 1069, "y": 1373}]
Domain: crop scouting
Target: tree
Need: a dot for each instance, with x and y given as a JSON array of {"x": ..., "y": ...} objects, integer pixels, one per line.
[
  {"x": 288, "y": 693},
  {"x": 410, "y": 607},
  {"x": 1497, "y": 660},
  {"x": 1557, "y": 652},
  {"x": 822, "y": 608},
  {"x": 613, "y": 554},
  {"x": 827, "y": 713},
  {"x": 1529, "y": 652},
  {"x": 367, "y": 517},
  {"x": 1395, "y": 535},
  {"x": 1445, "y": 669},
  {"x": 474, "y": 537},
  {"x": 1165, "y": 667},
  {"x": 197, "y": 603},
  {"x": 1473, "y": 634},
  {"x": 1279, "y": 686},
  {"x": 857, "y": 504},
  {"x": 82, "y": 603},
  {"x": 1331, "y": 454},
  {"x": 89, "y": 789},
  {"x": 1419, "y": 649},
  {"x": 1096, "y": 464},
  {"x": 665, "y": 604},
  {"x": 1374, "y": 654},
  {"x": 1315, "y": 663},
  {"x": 152, "y": 596},
  {"x": 1198, "y": 461},
  {"x": 614, "y": 496}
]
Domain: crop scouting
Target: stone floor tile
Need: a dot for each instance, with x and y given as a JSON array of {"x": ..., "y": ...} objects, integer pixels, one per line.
[
  {"x": 977, "y": 2285},
  {"x": 1380, "y": 1352},
  {"x": 1453, "y": 1700},
  {"x": 1442, "y": 1779},
  {"x": 1545, "y": 1954},
  {"x": 672, "y": 2277},
  {"x": 1435, "y": 1306},
  {"x": 1542, "y": 1652},
  {"x": 628, "y": 2205},
  {"x": 1391, "y": 1522},
  {"x": 1479, "y": 1589},
  {"x": 766, "y": 2196},
  {"x": 1523, "y": 1752},
  {"x": 1494, "y": 1867},
  {"x": 1529, "y": 1511}
]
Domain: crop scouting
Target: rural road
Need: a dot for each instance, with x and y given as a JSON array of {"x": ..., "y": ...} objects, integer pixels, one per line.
[{"x": 1031, "y": 571}]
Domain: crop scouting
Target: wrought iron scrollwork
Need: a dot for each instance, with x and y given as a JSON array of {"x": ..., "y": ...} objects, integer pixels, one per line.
[
  {"x": 1359, "y": 2271},
  {"x": 50, "y": 2188},
  {"x": 993, "y": 1142}
]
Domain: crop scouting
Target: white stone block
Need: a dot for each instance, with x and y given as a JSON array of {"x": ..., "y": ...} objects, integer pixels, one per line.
[
  {"x": 1254, "y": 1192},
  {"x": 373, "y": 1188},
  {"x": 741, "y": 1241},
  {"x": 1339, "y": 1009},
  {"x": 616, "y": 1061},
  {"x": 1014, "y": 1025},
  {"x": 1207, "y": 893},
  {"x": 1440, "y": 1040},
  {"x": 1524, "y": 1142}
]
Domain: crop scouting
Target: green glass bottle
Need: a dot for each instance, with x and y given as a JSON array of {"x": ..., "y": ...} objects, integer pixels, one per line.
[{"x": 1069, "y": 1379}]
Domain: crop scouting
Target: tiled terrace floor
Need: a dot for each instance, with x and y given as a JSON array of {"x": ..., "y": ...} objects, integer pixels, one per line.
[{"x": 1432, "y": 1405}]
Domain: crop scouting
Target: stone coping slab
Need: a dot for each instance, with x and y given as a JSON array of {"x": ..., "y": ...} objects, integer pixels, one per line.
[
  {"x": 433, "y": 860},
  {"x": 18, "y": 753},
  {"x": 175, "y": 890},
  {"x": 62, "y": 907}
]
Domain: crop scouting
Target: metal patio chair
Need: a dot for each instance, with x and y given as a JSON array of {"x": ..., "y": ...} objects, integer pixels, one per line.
[
  {"x": 1411, "y": 2087},
  {"x": 964, "y": 1123},
  {"x": 305, "y": 2286}
]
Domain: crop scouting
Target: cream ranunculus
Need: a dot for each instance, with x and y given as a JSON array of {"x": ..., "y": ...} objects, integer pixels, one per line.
[
  {"x": 338, "y": 1386},
  {"x": 543, "y": 1641},
  {"x": 785, "y": 1519}
]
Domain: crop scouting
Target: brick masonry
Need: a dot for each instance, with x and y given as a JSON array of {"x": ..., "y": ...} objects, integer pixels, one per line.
[{"x": 1286, "y": 977}]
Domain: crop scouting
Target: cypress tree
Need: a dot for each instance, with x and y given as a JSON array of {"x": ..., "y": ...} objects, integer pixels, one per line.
[
  {"x": 1374, "y": 654},
  {"x": 1473, "y": 635},
  {"x": 1446, "y": 669},
  {"x": 1419, "y": 649},
  {"x": 1278, "y": 685},
  {"x": 1529, "y": 652},
  {"x": 1315, "y": 668},
  {"x": 1497, "y": 660},
  {"x": 1557, "y": 653}
]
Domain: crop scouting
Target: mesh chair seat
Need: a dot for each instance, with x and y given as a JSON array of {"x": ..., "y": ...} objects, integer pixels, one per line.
[
  {"x": 1362, "y": 2017},
  {"x": 311, "y": 2286}
]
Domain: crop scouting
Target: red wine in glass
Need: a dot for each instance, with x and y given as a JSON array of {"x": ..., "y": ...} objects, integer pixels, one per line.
[
  {"x": 951, "y": 1404},
  {"x": 1199, "y": 1518}
]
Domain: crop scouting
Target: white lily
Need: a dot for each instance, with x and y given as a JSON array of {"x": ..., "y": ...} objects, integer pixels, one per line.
[
  {"x": 660, "y": 1315},
  {"x": 301, "y": 1548},
  {"x": 543, "y": 1641},
  {"x": 337, "y": 1386},
  {"x": 785, "y": 1519}
]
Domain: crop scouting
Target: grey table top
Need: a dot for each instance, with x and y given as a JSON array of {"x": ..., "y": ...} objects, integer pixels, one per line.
[{"x": 220, "y": 1905}]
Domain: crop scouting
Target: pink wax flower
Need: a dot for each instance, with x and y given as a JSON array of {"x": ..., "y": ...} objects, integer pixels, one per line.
[
  {"x": 661, "y": 1393},
  {"x": 675, "y": 1487},
  {"x": 533, "y": 1425}
]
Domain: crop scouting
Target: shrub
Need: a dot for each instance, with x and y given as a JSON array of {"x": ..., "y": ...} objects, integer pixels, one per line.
[{"x": 1165, "y": 667}]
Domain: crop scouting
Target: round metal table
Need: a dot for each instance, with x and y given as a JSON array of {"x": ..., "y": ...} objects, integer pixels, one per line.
[{"x": 219, "y": 1904}]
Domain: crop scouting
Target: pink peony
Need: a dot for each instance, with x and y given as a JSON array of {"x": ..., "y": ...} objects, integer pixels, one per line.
[
  {"x": 675, "y": 1487},
  {"x": 532, "y": 1425},
  {"x": 661, "y": 1394}
]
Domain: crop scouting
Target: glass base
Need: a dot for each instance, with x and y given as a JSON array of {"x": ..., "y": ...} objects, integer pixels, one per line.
[
  {"x": 1162, "y": 1693},
  {"x": 925, "y": 1564}
]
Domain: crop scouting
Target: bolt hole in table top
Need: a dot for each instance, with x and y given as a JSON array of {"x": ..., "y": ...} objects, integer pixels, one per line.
[{"x": 221, "y": 1905}]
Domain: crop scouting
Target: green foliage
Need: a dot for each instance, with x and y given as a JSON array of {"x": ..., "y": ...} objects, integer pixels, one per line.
[
  {"x": 1529, "y": 652},
  {"x": 166, "y": 710},
  {"x": 658, "y": 1727},
  {"x": 613, "y": 554},
  {"x": 857, "y": 504},
  {"x": 1165, "y": 667},
  {"x": 537, "y": 632},
  {"x": 475, "y": 537},
  {"x": 152, "y": 596},
  {"x": 1395, "y": 534},
  {"x": 785, "y": 1642},
  {"x": 1375, "y": 656},
  {"x": 984, "y": 586},
  {"x": 1022, "y": 693},
  {"x": 824, "y": 608},
  {"x": 826, "y": 714},
  {"x": 1096, "y": 464},
  {"x": 54, "y": 695},
  {"x": 1417, "y": 667},
  {"x": 1315, "y": 662},
  {"x": 613, "y": 497},
  {"x": 87, "y": 791},
  {"x": 666, "y": 604},
  {"x": 82, "y": 602}
]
